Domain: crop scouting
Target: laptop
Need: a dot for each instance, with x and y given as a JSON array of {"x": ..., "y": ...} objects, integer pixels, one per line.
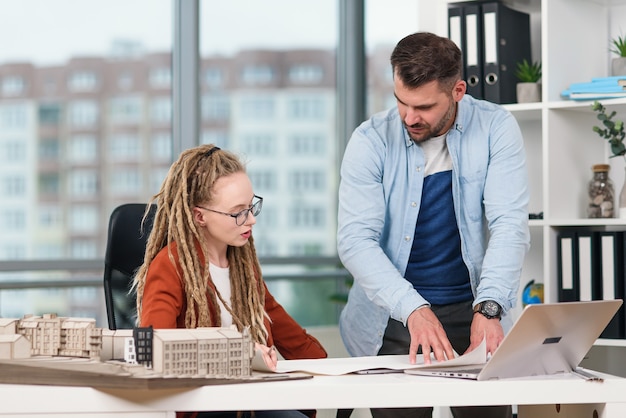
[{"x": 546, "y": 339}]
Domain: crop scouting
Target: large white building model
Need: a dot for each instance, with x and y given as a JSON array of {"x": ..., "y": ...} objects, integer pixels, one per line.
[{"x": 206, "y": 352}]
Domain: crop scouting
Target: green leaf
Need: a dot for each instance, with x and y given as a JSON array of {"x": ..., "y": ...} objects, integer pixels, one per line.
[{"x": 613, "y": 132}]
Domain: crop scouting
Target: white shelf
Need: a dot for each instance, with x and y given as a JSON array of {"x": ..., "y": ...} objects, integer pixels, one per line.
[
  {"x": 572, "y": 40},
  {"x": 605, "y": 342}
]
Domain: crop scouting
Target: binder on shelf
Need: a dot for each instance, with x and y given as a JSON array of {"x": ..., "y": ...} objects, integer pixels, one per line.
[
  {"x": 474, "y": 50},
  {"x": 567, "y": 269},
  {"x": 506, "y": 42},
  {"x": 456, "y": 28},
  {"x": 611, "y": 272},
  {"x": 590, "y": 285}
]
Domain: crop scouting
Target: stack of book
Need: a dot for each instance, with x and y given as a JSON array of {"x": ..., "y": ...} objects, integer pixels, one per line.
[{"x": 597, "y": 88}]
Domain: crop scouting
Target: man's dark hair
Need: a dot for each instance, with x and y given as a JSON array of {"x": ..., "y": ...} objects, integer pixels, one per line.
[{"x": 423, "y": 57}]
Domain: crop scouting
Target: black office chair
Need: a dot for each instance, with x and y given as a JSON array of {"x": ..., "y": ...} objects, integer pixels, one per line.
[{"x": 126, "y": 244}]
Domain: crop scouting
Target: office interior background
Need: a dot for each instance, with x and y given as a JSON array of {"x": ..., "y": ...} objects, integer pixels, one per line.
[{"x": 98, "y": 97}]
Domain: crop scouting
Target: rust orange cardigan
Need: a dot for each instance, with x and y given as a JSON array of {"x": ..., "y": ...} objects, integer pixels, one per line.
[{"x": 164, "y": 306}]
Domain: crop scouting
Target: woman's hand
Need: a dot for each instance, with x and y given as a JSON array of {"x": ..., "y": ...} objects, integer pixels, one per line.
[{"x": 269, "y": 355}]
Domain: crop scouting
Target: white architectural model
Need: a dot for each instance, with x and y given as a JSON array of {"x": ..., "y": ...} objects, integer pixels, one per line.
[
  {"x": 210, "y": 352},
  {"x": 204, "y": 352},
  {"x": 50, "y": 335}
]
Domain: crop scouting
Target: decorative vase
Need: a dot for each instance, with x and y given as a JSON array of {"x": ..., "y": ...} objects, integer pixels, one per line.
[
  {"x": 528, "y": 92},
  {"x": 601, "y": 193},
  {"x": 618, "y": 66}
]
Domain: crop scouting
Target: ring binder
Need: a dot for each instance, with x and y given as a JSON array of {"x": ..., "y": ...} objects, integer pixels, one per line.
[{"x": 506, "y": 42}]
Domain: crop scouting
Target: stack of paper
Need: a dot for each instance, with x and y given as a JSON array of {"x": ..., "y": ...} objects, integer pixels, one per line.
[{"x": 597, "y": 88}]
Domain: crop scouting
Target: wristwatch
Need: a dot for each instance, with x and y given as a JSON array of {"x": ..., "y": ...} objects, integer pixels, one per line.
[{"x": 489, "y": 308}]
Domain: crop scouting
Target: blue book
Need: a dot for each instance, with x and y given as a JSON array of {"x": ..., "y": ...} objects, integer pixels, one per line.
[
  {"x": 596, "y": 88},
  {"x": 617, "y": 78},
  {"x": 591, "y": 95},
  {"x": 596, "y": 85}
]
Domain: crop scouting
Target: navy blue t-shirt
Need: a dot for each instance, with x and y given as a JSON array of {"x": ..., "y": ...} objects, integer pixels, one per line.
[{"x": 436, "y": 268}]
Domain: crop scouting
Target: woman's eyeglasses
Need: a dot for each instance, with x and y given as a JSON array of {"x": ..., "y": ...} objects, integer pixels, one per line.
[{"x": 242, "y": 216}]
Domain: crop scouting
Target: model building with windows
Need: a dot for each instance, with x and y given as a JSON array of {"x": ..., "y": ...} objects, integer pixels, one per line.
[
  {"x": 51, "y": 335},
  {"x": 205, "y": 352}
]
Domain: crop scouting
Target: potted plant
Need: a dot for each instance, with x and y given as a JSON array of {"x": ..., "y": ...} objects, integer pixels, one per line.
[
  {"x": 613, "y": 132},
  {"x": 618, "y": 47},
  {"x": 528, "y": 87}
]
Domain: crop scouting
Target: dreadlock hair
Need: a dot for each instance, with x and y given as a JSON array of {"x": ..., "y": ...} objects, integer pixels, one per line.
[{"x": 190, "y": 182}]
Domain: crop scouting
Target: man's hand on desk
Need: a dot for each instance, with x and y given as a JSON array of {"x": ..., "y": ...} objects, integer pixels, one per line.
[
  {"x": 488, "y": 329},
  {"x": 426, "y": 331}
]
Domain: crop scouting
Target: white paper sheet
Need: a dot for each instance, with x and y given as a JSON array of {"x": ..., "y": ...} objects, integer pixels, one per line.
[{"x": 339, "y": 366}]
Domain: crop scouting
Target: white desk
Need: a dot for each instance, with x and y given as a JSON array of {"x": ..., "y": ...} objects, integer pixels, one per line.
[{"x": 534, "y": 397}]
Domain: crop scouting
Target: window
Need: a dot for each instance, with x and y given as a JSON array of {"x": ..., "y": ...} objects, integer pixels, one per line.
[
  {"x": 161, "y": 110},
  {"x": 13, "y": 185},
  {"x": 83, "y": 81},
  {"x": 49, "y": 184},
  {"x": 301, "y": 249},
  {"x": 214, "y": 77},
  {"x": 13, "y": 116},
  {"x": 83, "y": 183},
  {"x": 306, "y": 108},
  {"x": 50, "y": 216},
  {"x": 216, "y": 137},
  {"x": 258, "y": 144},
  {"x": 13, "y": 220},
  {"x": 161, "y": 146},
  {"x": 124, "y": 147},
  {"x": 82, "y": 148},
  {"x": 215, "y": 107},
  {"x": 157, "y": 175},
  {"x": 380, "y": 38},
  {"x": 127, "y": 109},
  {"x": 125, "y": 80},
  {"x": 307, "y": 144},
  {"x": 307, "y": 217},
  {"x": 255, "y": 75},
  {"x": 14, "y": 151},
  {"x": 307, "y": 180},
  {"x": 161, "y": 78},
  {"x": 83, "y": 249},
  {"x": 83, "y": 113},
  {"x": 47, "y": 251},
  {"x": 306, "y": 74},
  {"x": 13, "y": 86},
  {"x": 258, "y": 108},
  {"x": 49, "y": 113},
  {"x": 125, "y": 181},
  {"x": 83, "y": 218},
  {"x": 263, "y": 180},
  {"x": 49, "y": 149},
  {"x": 13, "y": 251}
]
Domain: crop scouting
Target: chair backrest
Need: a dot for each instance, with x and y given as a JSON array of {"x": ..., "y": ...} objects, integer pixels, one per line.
[{"x": 126, "y": 244}]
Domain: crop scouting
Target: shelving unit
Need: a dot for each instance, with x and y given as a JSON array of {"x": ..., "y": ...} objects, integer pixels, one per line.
[{"x": 572, "y": 40}]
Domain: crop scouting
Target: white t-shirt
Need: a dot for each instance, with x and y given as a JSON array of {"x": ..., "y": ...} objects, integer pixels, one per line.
[
  {"x": 437, "y": 155},
  {"x": 221, "y": 279}
]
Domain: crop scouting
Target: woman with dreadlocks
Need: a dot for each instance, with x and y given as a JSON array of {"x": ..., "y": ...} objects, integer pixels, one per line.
[{"x": 201, "y": 269}]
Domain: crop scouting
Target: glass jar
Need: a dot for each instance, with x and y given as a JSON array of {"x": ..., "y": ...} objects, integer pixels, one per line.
[{"x": 601, "y": 193}]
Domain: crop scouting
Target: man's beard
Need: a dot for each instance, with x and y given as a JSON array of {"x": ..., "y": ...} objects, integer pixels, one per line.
[{"x": 439, "y": 127}]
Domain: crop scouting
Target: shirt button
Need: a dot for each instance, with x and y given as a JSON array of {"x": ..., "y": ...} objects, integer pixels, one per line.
[
  {"x": 413, "y": 204},
  {"x": 407, "y": 238},
  {"x": 418, "y": 169}
]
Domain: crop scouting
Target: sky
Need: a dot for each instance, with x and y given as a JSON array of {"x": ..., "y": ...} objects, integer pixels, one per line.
[{"x": 48, "y": 32}]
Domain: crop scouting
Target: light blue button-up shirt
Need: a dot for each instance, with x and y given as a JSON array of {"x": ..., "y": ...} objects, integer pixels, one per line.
[{"x": 379, "y": 199}]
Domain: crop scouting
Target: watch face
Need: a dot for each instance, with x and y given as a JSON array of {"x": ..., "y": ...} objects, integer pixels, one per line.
[{"x": 491, "y": 308}]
